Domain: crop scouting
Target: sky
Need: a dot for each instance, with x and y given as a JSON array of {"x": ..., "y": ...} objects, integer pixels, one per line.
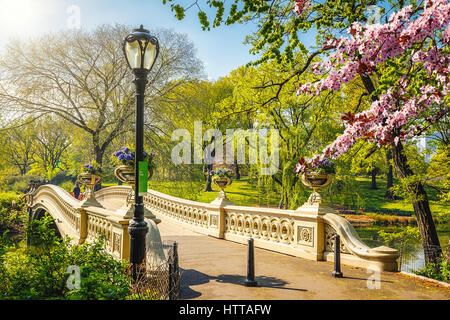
[{"x": 221, "y": 49}]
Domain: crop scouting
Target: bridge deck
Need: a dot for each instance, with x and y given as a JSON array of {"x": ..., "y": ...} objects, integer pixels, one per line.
[{"x": 215, "y": 269}]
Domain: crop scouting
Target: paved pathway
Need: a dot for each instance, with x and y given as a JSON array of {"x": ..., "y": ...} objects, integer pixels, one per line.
[{"x": 214, "y": 269}]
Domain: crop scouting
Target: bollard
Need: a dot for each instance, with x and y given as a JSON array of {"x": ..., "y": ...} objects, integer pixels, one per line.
[
  {"x": 250, "y": 281},
  {"x": 337, "y": 257},
  {"x": 174, "y": 281}
]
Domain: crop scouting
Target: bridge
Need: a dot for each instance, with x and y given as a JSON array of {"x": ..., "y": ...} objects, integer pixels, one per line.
[
  {"x": 306, "y": 232},
  {"x": 294, "y": 248}
]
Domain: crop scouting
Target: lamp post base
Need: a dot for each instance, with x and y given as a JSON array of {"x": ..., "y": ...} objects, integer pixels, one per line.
[
  {"x": 137, "y": 230},
  {"x": 337, "y": 274},
  {"x": 250, "y": 283}
]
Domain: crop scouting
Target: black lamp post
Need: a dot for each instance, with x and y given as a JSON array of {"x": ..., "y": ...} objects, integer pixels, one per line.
[{"x": 141, "y": 50}]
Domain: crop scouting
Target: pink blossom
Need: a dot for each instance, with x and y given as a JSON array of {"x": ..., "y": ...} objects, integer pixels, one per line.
[{"x": 398, "y": 107}]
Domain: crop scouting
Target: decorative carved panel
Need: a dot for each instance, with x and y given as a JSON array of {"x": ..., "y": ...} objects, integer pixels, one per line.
[
  {"x": 329, "y": 241},
  {"x": 305, "y": 235}
]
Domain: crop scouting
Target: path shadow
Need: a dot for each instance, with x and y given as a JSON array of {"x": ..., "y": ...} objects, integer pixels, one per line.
[
  {"x": 192, "y": 277},
  {"x": 263, "y": 281}
]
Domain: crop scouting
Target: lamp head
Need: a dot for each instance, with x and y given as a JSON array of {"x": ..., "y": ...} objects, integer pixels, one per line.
[{"x": 141, "y": 50}]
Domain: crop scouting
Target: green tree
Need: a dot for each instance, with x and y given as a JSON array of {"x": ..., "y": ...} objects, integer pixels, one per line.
[{"x": 82, "y": 78}]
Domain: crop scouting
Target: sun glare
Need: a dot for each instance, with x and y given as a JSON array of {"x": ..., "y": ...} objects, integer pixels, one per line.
[{"x": 21, "y": 17}]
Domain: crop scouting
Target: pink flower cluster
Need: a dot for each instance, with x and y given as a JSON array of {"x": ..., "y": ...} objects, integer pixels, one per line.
[
  {"x": 371, "y": 45},
  {"x": 300, "y": 6}
]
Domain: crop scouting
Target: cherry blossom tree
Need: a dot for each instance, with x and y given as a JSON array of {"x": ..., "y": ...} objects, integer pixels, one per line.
[{"x": 404, "y": 66}]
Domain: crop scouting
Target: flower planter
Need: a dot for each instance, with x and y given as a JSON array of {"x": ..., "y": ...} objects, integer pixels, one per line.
[
  {"x": 89, "y": 180},
  {"x": 126, "y": 174},
  {"x": 316, "y": 182},
  {"x": 222, "y": 182}
]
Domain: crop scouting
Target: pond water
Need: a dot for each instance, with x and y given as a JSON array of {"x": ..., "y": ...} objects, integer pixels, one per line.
[{"x": 413, "y": 257}]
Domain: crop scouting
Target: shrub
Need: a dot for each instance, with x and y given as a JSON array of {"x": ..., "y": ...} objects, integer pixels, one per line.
[
  {"x": 40, "y": 271},
  {"x": 67, "y": 185},
  {"x": 102, "y": 277},
  {"x": 18, "y": 183},
  {"x": 10, "y": 199},
  {"x": 439, "y": 271},
  {"x": 443, "y": 217},
  {"x": 12, "y": 212}
]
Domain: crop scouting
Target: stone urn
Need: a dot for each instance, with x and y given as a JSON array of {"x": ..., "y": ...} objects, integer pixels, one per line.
[
  {"x": 222, "y": 183},
  {"x": 125, "y": 174},
  {"x": 316, "y": 182},
  {"x": 89, "y": 180}
]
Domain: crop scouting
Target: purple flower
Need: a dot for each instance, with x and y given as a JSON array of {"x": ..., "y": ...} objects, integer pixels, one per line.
[
  {"x": 118, "y": 153},
  {"x": 121, "y": 156},
  {"x": 128, "y": 157},
  {"x": 125, "y": 149}
]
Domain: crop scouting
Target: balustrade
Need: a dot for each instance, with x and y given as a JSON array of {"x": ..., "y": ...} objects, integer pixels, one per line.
[{"x": 304, "y": 232}]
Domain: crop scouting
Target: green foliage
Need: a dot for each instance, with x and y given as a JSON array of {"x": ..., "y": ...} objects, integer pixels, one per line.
[
  {"x": 439, "y": 271},
  {"x": 9, "y": 200},
  {"x": 40, "y": 271},
  {"x": 443, "y": 217},
  {"x": 102, "y": 277},
  {"x": 438, "y": 172},
  {"x": 400, "y": 236},
  {"x": 67, "y": 185},
  {"x": 12, "y": 212},
  {"x": 278, "y": 27}
]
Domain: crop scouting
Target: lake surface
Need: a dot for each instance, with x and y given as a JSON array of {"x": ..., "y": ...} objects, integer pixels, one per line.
[{"x": 413, "y": 258}]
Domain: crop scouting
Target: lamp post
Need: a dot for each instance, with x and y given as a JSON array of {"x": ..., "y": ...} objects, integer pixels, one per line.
[{"x": 141, "y": 50}]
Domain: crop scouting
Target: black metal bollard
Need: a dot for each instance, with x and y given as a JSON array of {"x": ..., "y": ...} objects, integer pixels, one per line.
[
  {"x": 337, "y": 257},
  {"x": 174, "y": 281},
  {"x": 250, "y": 281}
]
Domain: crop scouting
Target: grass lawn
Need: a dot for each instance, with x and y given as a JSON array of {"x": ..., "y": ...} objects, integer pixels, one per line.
[
  {"x": 374, "y": 199},
  {"x": 242, "y": 193}
]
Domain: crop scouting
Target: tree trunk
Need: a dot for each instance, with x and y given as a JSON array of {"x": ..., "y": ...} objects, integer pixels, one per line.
[
  {"x": 373, "y": 173},
  {"x": 98, "y": 153},
  {"x": 209, "y": 167},
  {"x": 389, "y": 195},
  {"x": 283, "y": 204},
  {"x": 208, "y": 187},
  {"x": 238, "y": 173},
  {"x": 430, "y": 240}
]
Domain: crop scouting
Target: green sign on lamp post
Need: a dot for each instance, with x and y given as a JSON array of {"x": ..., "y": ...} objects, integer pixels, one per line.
[{"x": 143, "y": 177}]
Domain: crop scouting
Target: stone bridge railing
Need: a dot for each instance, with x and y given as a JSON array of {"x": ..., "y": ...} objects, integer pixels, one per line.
[
  {"x": 81, "y": 223},
  {"x": 306, "y": 232}
]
